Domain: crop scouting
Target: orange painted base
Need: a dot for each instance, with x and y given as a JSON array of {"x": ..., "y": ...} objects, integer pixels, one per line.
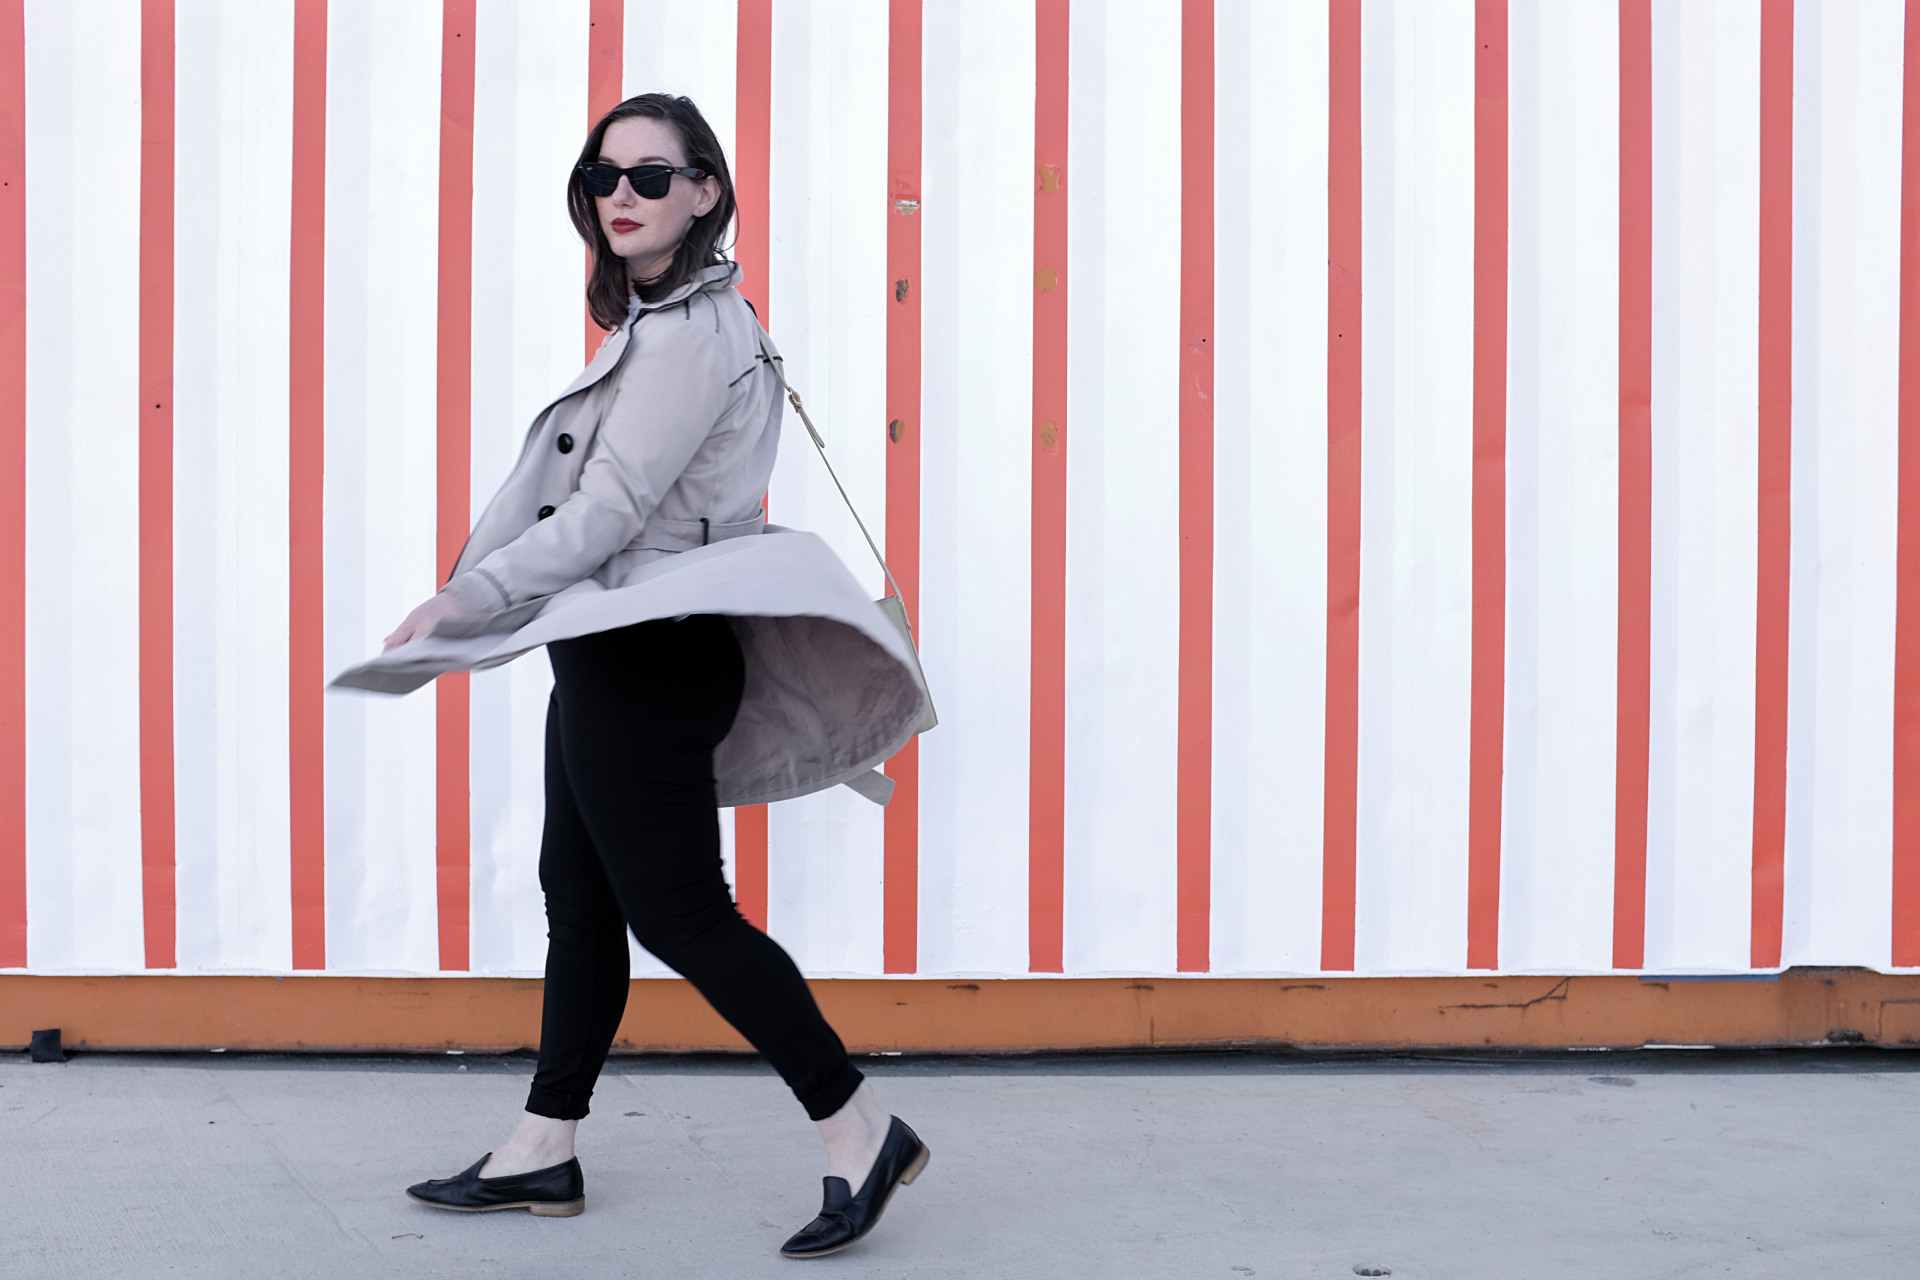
[{"x": 322, "y": 1013}]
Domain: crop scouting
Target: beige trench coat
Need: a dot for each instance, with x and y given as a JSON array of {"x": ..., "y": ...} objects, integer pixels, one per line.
[{"x": 638, "y": 496}]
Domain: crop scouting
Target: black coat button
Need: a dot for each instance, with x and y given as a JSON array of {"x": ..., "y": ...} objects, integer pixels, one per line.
[
  {"x": 565, "y": 442},
  {"x": 545, "y": 512}
]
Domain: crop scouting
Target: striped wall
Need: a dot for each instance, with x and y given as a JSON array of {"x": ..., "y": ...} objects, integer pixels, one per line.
[{"x": 1383, "y": 486}]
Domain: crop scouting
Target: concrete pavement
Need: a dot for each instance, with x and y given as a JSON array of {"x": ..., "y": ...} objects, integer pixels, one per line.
[{"x": 1229, "y": 1166}]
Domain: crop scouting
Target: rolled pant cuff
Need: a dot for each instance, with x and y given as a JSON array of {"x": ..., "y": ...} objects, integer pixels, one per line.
[
  {"x": 833, "y": 1096},
  {"x": 557, "y": 1105}
]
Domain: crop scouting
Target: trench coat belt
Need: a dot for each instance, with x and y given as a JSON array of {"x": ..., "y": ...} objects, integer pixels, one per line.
[{"x": 661, "y": 534}]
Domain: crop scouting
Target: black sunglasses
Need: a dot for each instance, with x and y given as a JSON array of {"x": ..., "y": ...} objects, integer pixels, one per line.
[{"x": 649, "y": 181}]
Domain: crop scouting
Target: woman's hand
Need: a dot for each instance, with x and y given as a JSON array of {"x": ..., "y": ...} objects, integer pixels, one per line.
[{"x": 420, "y": 621}]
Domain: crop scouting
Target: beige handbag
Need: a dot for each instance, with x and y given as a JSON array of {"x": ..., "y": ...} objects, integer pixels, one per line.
[{"x": 891, "y": 605}]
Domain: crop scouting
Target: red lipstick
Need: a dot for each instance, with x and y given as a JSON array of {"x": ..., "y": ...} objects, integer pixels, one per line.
[{"x": 624, "y": 225}]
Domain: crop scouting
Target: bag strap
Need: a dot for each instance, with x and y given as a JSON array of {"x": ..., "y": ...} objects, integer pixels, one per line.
[{"x": 793, "y": 397}]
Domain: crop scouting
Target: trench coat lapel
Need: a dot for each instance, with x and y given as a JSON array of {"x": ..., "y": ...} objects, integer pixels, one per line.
[{"x": 597, "y": 368}]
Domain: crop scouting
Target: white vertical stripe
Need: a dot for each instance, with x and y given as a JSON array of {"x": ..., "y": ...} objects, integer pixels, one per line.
[
  {"x": 83, "y": 468},
  {"x": 1563, "y": 496},
  {"x": 1846, "y": 384},
  {"x": 1706, "y": 153},
  {"x": 1416, "y": 578},
  {"x": 1270, "y": 485},
  {"x": 1123, "y": 468},
  {"x": 232, "y": 128},
  {"x": 685, "y": 49},
  {"x": 529, "y": 331},
  {"x": 975, "y": 624},
  {"x": 383, "y": 164},
  {"x": 829, "y": 242},
  {"x": 690, "y": 50}
]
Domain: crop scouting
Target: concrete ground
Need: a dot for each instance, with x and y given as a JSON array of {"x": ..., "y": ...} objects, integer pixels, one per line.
[{"x": 1235, "y": 1166}]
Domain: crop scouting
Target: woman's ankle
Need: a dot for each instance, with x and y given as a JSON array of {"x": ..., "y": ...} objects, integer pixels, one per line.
[
  {"x": 854, "y": 1135},
  {"x": 538, "y": 1142}
]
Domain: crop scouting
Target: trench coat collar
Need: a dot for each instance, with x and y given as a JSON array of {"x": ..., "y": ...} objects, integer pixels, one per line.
[{"x": 721, "y": 275}]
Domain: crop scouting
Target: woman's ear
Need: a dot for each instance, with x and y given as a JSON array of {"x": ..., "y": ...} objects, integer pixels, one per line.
[{"x": 709, "y": 196}]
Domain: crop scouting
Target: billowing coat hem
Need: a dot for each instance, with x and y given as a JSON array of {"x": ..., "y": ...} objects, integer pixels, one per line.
[{"x": 832, "y": 689}]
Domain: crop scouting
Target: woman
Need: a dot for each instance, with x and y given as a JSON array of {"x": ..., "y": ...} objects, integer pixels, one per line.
[{"x": 631, "y": 524}]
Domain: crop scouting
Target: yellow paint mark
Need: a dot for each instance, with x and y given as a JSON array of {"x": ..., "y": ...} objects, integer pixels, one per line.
[
  {"x": 1049, "y": 177},
  {"x": 1049, "y": 434},
  {"x": 1044, "y": 280},
  {"x": 896, "y": 430}
]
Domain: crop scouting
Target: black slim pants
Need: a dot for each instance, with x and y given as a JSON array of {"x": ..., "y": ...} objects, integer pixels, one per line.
[{"x": 632, "y": 840}]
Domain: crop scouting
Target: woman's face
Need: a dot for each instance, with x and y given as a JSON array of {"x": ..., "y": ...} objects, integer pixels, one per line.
[{"x": 646, "y": 232}]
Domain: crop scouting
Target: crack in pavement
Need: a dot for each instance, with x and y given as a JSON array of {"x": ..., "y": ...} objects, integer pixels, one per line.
[{"x": 292, "y": 1171}]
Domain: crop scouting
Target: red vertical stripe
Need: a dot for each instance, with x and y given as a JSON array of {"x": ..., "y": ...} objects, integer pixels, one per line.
[
  {"x": 1487, "y": 741},
  {"x": 1343, "y": 485},
  {"x": 13, "y": 486},
  {"x": 753, "y": 149},
  {"x": 306, "y": 456},
  {"x": 901, "y": 893},
  {"x": 606, "y": 48},
  {"x": 1194, "y": 760},
  {"x": 156, "y": 480},
  {"x": 1776, "y": 472},
  {"x": 752, "y": 164},
  {"x": 1047, "y": 776},
  {"x": 1906, "y": 642},
  {"x": 1633, "y": 689},
  {"x": 453, "y": 816},
  {"x": 606, "y": 41}
]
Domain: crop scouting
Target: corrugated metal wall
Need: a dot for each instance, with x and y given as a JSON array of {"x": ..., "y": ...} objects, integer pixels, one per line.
[{"x": 1401, "y": 486}]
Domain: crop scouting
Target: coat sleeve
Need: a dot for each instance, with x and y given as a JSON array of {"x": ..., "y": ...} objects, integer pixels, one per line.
[{"x": 671, "y": 393}]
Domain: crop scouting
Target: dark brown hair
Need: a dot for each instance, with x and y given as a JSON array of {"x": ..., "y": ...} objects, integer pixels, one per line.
[{"x": 607, "y": 284}]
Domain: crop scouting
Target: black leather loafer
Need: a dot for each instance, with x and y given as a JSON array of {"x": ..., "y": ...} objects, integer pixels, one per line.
[
  {"x": 844, "y": 1216},
  {"x": 555, "y": 1192}
]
